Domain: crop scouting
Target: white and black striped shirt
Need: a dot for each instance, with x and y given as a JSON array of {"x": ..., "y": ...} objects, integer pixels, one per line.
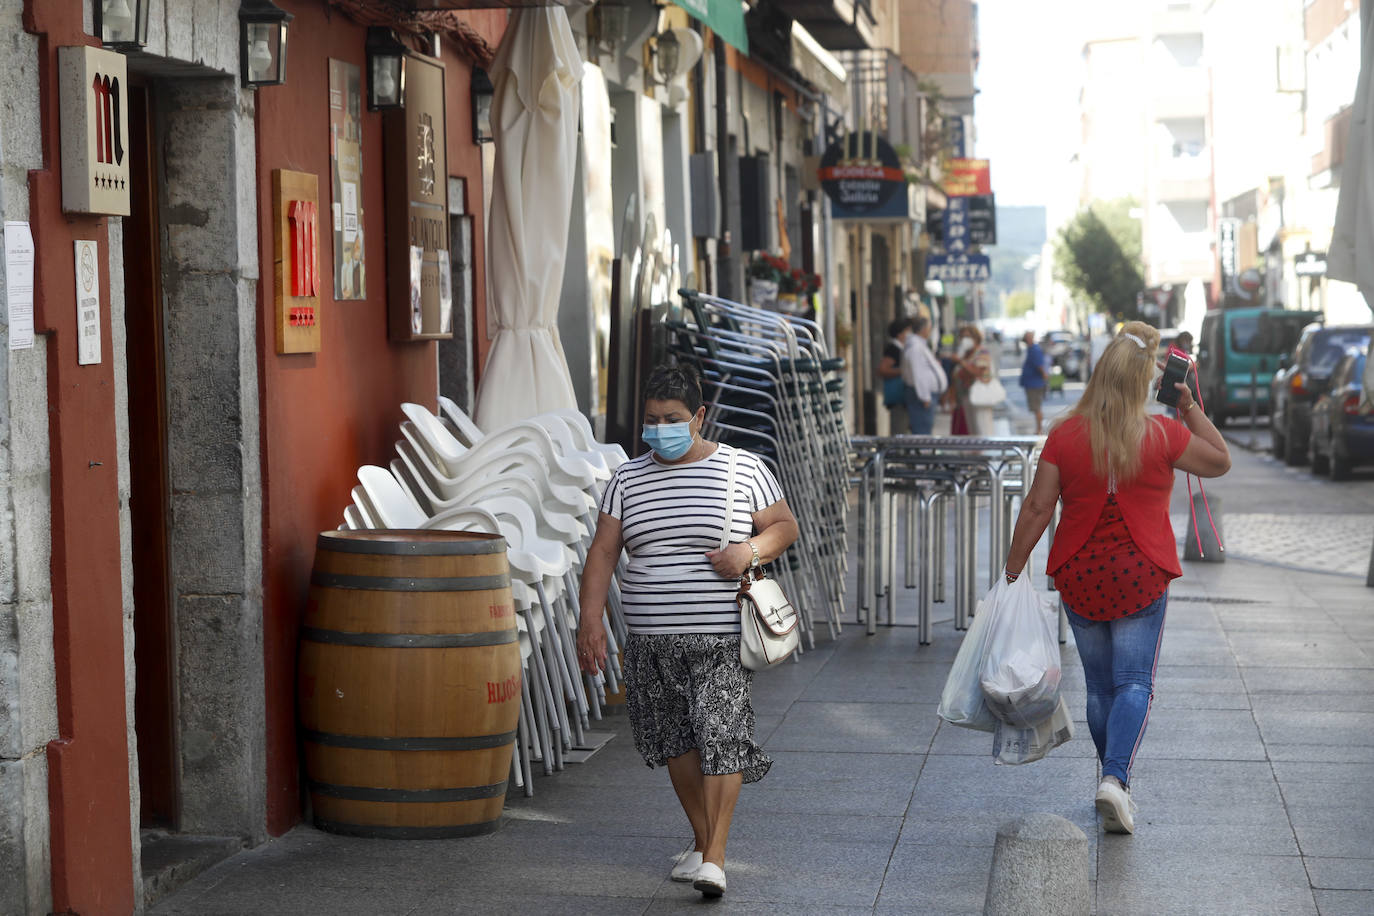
[{"x": 670, "y": 516}]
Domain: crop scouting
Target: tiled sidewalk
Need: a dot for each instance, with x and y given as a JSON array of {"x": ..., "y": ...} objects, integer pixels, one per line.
[{"x": 1252, "y": 784}]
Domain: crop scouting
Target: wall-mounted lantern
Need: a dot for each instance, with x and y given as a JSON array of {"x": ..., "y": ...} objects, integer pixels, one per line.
[
  {"x": 262, "y": 43},
  {"x": 482, "y": 93},
  {"x": 611, "y": 24},
  {"x": 386, "y": 70},
  {"x": 122, "y": 24}
]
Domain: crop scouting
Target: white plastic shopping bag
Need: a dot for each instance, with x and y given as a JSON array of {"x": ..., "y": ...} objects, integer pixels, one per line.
[
  {"x": 1021, "y": 669},
  {"x": 962, "y": 702}
]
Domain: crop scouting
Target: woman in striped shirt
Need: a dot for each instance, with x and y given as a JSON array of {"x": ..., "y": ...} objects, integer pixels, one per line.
[{"x": 686, "y": 692}]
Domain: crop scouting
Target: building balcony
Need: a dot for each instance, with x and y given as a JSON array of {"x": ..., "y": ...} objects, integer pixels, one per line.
[
  {"x": 1178, "y": 94},
  {"x": 839, "y": 25},
  {"x": 1181, "y": 188}
]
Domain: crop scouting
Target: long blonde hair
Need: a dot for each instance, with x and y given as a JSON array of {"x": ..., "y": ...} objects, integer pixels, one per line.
[{"x": 1113, "y": 403}]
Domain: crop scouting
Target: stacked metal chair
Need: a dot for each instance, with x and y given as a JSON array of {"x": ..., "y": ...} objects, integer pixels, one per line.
[
  {"x": 771, "y": 388},
  {"x": 537, "y": 482}
]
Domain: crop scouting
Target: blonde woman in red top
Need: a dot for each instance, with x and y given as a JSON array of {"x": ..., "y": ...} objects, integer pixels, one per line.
[{"x": 1114, "y": 552}]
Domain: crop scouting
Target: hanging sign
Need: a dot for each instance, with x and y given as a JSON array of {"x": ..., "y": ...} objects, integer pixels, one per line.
[
  {"x": 955, "y": 137},
  {"x": 982, "y": 219},
  {"x": 1310, "y": 264},
  {"x": 958, "y": 268},
  {"x": 420, "y": 297},
  {"x": 864, "y": 179},
  {"x": 296, "y": 248},
  {"x": 967, "y": 177},
  {"x": 93, "y": 97},
  {"x": 1228, "y": 252}
]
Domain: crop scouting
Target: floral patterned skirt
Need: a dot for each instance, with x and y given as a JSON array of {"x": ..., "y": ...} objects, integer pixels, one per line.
[{"x": 689, "y": 690}]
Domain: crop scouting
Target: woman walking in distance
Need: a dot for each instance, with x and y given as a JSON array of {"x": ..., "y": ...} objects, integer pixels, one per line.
[
  {"x": 686, "y": 691},
  {"x": 1114, "y": 552}
]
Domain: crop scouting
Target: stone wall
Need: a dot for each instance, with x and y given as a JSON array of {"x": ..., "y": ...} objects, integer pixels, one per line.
[{"x": 28, "y": 708}]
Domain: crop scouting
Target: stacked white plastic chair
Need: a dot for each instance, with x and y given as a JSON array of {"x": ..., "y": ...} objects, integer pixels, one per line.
[
  {"x": 536, "y": 482},
  {"x": 771, "y": 387}
]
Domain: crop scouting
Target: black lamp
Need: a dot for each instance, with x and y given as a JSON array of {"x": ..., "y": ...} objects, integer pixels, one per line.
[
  {"x": 122, "y": 24},
  {"x": 482, "y": 93},
  {"x": 262, "y": 43},
  {"x": 386, "y": 70}
]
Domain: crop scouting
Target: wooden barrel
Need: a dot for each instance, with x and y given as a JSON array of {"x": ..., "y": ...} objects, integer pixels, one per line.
[{"x": 409, "y": 683}]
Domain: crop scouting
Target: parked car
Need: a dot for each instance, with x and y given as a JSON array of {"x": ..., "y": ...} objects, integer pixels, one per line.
[
  {"x": 1304, "y": 377},
  {"x": 1067, "y": 351},
  {"x": 1237, "y": 342},
  {"x": 1167, "y": 336},
  {"x": 1342, "y": 428}
]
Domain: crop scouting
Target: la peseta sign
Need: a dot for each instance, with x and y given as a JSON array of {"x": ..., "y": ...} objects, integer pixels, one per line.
[{"x": 863, "y": 178}]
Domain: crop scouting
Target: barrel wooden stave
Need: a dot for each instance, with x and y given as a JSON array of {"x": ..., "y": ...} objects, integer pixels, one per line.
[{"x": 401, "y": 740}]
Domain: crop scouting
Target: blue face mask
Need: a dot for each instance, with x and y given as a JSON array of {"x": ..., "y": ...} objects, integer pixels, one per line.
[{"x": 670, "y": 441}]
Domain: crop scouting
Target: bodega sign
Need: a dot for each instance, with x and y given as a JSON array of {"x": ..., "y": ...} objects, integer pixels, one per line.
[
  {"x": 864, "y": 179},
  {"x": 93, "y": 99}
]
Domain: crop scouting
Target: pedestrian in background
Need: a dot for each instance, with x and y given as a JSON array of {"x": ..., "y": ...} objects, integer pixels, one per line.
[
  {"x": 1034, "y": 377},
  {"x": 686, "y": 691},
  {"x": 890, "y": 371},
  {"x": 974, "y": 364},
  {"x": 1114, "y": 554},
  {"x": 924, "y": 378}
]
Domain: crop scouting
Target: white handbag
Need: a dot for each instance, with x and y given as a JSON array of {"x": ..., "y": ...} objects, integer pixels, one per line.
[
  {"x": 768, "y": 622},
  {"x": 986, "y": 394}
]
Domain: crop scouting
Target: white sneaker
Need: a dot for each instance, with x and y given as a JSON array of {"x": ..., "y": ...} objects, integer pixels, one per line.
[
  {"x": 710, "y": 880},
  {"x": 1114, "y": 804},
  {"x": 685, "y": 871}
]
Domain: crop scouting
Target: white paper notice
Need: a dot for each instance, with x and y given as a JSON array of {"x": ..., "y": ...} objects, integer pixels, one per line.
[
  {"x": 19, "y": 284},
  {"x": 87, "y": 302}
]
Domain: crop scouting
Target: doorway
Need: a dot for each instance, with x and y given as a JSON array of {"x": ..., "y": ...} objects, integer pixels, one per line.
[{"x": 150, "y": 493}]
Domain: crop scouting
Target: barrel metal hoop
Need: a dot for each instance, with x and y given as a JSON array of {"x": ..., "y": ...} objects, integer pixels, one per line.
[
  {"x": 456, "y": 548},
  {"x": 371, "y": 743},
  {"x": 410, "y": 583},
  {"x": 408, "y": 833},
  {"x": 372, "y": 794},
  {"x": 410, "y": 640}
]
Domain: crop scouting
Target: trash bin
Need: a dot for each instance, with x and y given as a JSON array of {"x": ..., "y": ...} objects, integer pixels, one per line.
[{"x": 409, "y": 683}]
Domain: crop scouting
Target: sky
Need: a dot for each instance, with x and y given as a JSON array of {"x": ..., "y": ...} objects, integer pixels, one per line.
[{"x": 1028, "y": 81}]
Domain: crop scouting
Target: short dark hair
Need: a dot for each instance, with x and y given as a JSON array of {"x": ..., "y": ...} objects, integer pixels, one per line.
[
  {"x": 674, "y": 383},
  {"x": 897, "y": 326},
  {"x": 920, "y": 324}
]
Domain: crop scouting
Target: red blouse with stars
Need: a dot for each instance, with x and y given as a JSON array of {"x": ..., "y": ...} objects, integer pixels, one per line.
[{"x": 1110, "y": 577}]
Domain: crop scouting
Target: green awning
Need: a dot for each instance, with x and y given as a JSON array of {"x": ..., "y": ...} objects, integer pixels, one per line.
[{"x": 724, "y": 17}]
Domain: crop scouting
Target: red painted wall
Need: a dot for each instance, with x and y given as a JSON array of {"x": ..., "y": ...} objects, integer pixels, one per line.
[
  {"x": 325, "y": 414},
  {"x": 88, "y": 779}
]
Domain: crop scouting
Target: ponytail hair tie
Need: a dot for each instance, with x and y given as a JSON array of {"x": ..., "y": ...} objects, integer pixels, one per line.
[{"x": 1129, "y": 336}]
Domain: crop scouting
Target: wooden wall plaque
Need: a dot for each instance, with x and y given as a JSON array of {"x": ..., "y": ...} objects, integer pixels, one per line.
[{"x": 296, "y": 260}]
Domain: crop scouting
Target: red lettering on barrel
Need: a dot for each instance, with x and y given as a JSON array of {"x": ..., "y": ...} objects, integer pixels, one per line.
[
  {"x": 504, "y": 691},
  {"x": 501, "y": 610}
]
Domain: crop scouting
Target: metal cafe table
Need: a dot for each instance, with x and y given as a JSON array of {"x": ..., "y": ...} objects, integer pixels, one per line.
[{"x": 921, "y": 476}]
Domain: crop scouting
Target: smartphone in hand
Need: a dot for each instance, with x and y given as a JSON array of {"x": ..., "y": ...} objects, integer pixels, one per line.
[{"x": 1175, "y": 371}]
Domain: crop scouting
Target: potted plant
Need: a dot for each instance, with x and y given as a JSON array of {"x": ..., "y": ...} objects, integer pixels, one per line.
[{"x": 766, "y": 273}]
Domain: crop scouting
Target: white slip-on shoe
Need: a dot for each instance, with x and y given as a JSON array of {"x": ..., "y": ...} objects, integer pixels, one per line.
[
  {"x": 1115, "y": 805},
  {"x": 685, "y": 871},
  {"x": 710, "y": 880}
]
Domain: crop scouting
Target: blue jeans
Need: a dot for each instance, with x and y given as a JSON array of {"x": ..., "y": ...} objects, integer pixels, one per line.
[
  {"x": 1120, "y": 658},
  {"x": 921, "y": 415}
]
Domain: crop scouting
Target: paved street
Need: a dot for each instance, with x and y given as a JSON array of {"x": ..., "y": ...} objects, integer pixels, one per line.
[{"x": 1251, "y": 781}]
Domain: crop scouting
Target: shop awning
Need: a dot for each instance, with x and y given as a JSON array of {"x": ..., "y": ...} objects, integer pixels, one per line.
[
  {"x": 724, "y": 17},
  {"x": 816, "y": 65}
]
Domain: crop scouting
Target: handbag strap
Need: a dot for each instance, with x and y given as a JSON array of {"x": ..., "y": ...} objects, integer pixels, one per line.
[{"x": 729, "y": 498}]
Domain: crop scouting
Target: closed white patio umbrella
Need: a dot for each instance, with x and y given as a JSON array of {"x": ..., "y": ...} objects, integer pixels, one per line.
[
  {"x": 534, "y": 120},
  {"x": 1351, "y": 256}
]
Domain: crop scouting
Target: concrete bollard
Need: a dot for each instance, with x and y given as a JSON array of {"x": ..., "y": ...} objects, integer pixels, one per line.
[
  {"x": 1197, "y": 523},
  {"x": 1039, "y": 866}
]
